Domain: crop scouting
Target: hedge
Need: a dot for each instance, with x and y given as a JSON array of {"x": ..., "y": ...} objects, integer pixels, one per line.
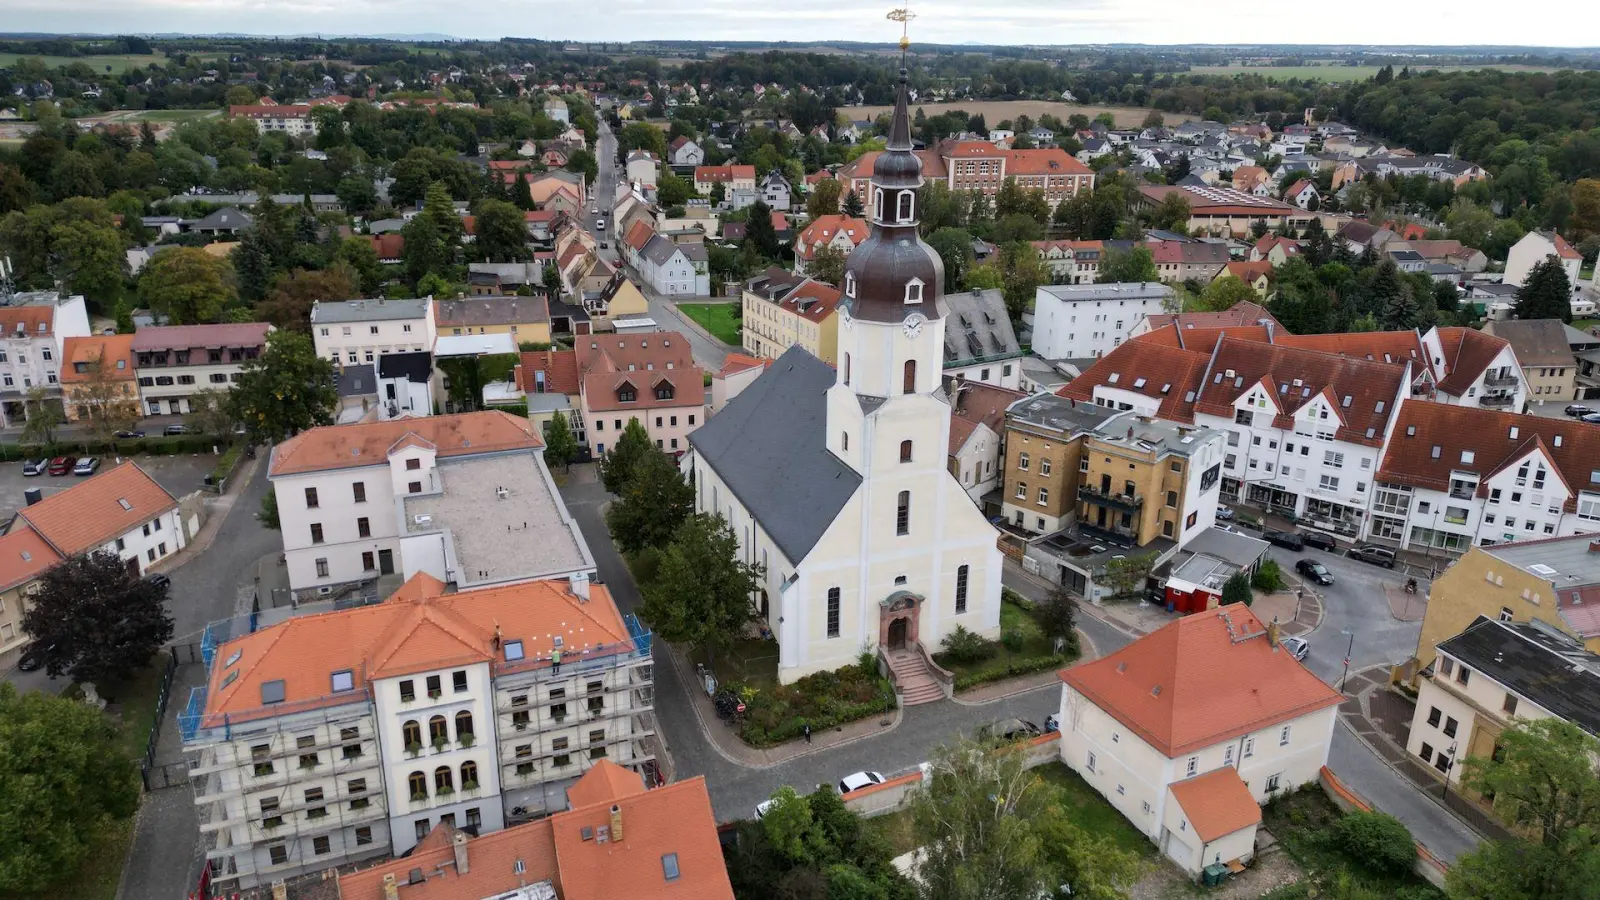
[
  {"x": 823, "y": 700},
  {"x": 154, "y": 446},
  {"x": 1011, "y": 669}
]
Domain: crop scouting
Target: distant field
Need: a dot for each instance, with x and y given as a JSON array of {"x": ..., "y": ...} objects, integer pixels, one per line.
[
  {"x": 1342, "y": 72},
  {"x": 161, "y": 115},
  {"x": 995, "y": 111},
  {"x": 98, "y": 63}
]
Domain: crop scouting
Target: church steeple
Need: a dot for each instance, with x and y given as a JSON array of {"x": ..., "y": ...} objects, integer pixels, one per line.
[{"x": 893, "y": 274}]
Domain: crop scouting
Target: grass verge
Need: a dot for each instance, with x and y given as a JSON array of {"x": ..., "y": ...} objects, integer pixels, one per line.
[
  {"x": 1086, "y": 807},
  {"x": 717, "y": 318}
]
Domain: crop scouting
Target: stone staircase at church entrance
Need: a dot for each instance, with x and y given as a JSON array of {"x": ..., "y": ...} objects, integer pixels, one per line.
[{"x": 912, "y": 678}]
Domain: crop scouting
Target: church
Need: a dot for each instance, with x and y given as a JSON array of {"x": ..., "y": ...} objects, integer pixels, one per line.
[{"x": 835, "y": 479}]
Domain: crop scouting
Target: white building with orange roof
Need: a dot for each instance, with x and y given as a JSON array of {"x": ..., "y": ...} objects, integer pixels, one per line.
[
  {"x": 842, "y": 233},
  {"x": 337, "y": 736},
  {"x": 33, "y": 328},
  {"x": 465, "y": 498},
  {"x": 1189, "y": 729},
  {"x": 121, "y": 511}
]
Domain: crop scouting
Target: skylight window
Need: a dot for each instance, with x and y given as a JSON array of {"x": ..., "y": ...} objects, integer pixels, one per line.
[
  {"x": 669, "y": 866},
  {"x": 123, "y": 502},
  {"x": 233, "y": 658},
  {"x": 1112, "y": 378},
  {"x": 1138, "y": 382},
  {"x": 272, "y": 691},
  {"x": 513, "y": 651},
  {"x": 343, "y": 680},
  {"x": 230, "y": 679}
]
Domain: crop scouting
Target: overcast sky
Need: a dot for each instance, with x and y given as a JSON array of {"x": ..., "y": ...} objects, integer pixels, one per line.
[{"x": 942, "y": 21}]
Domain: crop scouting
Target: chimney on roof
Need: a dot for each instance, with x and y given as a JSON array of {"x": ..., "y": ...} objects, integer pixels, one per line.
[
  {"x": 459, "y": 845},
  {"x": 1594, "y": 546},
  {"x": 616, "y": 822},
  {"x": 579, "y": 582},
  {"x": 391, "y": 890},
  {"x": 1272, "y": 633}
]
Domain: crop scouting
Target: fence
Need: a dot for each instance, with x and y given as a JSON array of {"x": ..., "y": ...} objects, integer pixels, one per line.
[
  {"x": 148, "y": 764},
  {"x": 893, "y": 793}
]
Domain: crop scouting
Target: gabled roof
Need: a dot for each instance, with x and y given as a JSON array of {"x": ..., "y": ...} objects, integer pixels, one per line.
[
  {"x": 1537, "y": 342},
  {"x": 607, "y": 362},
  {"x": 1168, "y": 375},
  {"x": 114, "y": 353},
  {"x": 826, "y": 228},
  {"x": 974, "y": 403},
  {"x": 1243, "y": 313},
  {"x": 368, "y": 443},
  {"x": 1217, "y": 803},
  {"x": 739, "y": 362},
  {"x": 640, "y": 234},
  {"x": 24, "y": 556},
  {"x": 157, "y": 338},
  {"x": 1250, "y": 272},
  {"x": 486, "y": 311},
  {"x": 605, "y": 782},
  {"x": 1467, "y": 353},
  {"x": 33, "y": 320},
  {"x": 1203, "y": 340},
  {"x": 769, "y": 446},
  {"x": 1206, "y": 678},
  {"x": 560, "y": 368},
  {"x": 97, "y": 510},
  {"x": 977, "y": 326},
  {"x": 1363, "y": 392},
  {"x": 418, "y": 628},
  {"x": 674, "y": 821},
  {"x": 812, "y": 300}
]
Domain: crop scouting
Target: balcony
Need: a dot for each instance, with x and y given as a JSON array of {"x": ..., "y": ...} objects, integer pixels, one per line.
[
  {"x": 1496, "y": 401},
  {"x": 1113, "y": 534},
  {"x": 1129, "y": 502},
  {"x": 1506, "y": 379}
]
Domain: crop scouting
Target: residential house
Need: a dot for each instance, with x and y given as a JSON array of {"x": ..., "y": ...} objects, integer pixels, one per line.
[
  {"x": 1247, "y": 178},
  {"x": 355, "y": 331},
  {"x": 495, "y": 279},
  {"x": 1360, "y": 236},
  {"x": 1256, "y": 274},
  {"x": 738, "y": 372},
  {"x": 780, "y": 310},
  {"x": 1187, "y": 260},
  {"x": 121, "y": 511},
  {"x": 979, "y": 342},
  {"x": 286, "y": 118},
  {"x": 173, "y": 362},
  {"x": 651, "y": 377},
  {"x": 1275, "y": 250},
  {"x": 685, "y": 153},
  {"x": 34, "y": 329},
  {"x": 776, "y": 191},
  {"x": 977, "y": 433},
  {"x": 361, "y": 502},
  {"x": 619, "y": 299},
  {"x": 357, "y": 387},
  {"x": 390, "y": 248},
  {"x": 1492, "y": 676},
  {"x": 1188, "y": 730},
  {"x": 1453, "y": 252},
  {"x": 630, "y": 211},
  {"x": 24, "y": 558},
  {"x": 1534, "y": 248},
  {"x": 1548, "y": 366},
  {"x": 644, "y": 168},
  {"x": 1043, "y": 454},
  {"x": 1303, "y": 193},
  {"x": 526, "y": 319},
  {"x": 98, "y": 375},
  {"x": 559, "y": 189},
  {"x": 1071, "y": 262},
  {"x": 841, "y": 233},
  {"x": 675, "y": 269},
  {"x": 1243, "y": 313},
  {"x": 1089, "y": 320},
  {"x": 732, "y": 178},
  {"x": 668, "y": 847},
  {"x": 1405, "y": 259},
  {"x": 229, "y": 220},
  {"x": 331, "y": 737}
]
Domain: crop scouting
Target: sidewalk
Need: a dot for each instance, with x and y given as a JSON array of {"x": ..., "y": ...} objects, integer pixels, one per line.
[
  {"x": 217, "y": 511},
  {"x": 1381, "y": 719}
]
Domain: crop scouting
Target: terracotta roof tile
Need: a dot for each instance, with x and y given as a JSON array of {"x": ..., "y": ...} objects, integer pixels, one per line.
[
  {"x": 1049, "y": 161},
  {"x": 738, "y": 362},
  {"x": 1212, "y": 686},
  {"x": 1217, "y": 803},
  {"x": 813, "y": 301},
  {"x": 1249, "y": 271},
  {"x": 1178, "y": 371},
  {"x": 98, "y": 510},
  {"x": 1204, "y": 340},
  {"x": 115, "y": 349},
  {"x": 387, "y": 246},
  {"x": 1383, "y": 346},
  {"x": 604, "y": 782},
  {"x": 1467, "y": 353},
  {"x": 415, "y": 629},
  {"x": 1242, "y": 313},
  {"x": 200, "y": 337},
  {"x": 604, "y": 362},
  {"x": 34, "y": 320},
  {"x": 640, "y": 234},
  {"x": 369, "y": 443},
  {"x": 491, "y": 866},
  {"x": 675, "y": 819},
  {"x": 24, "y": 555},
  {"x": 824, "y": 229},
  {"x": 978, "y": 403},
  {"x": 560, "y": 368}
]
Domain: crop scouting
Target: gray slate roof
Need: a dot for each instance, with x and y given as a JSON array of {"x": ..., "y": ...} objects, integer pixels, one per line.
[
  {"x": 368, "y": 310},
  {"x": 977, "y": 326},
  {"x": 356, "y": 380},
  {"x": 1545, "y": 667},
  {"x": 229, "y": 217},
  {"x": 658, "y": 250},
  {"x": 769, "y": 446}
]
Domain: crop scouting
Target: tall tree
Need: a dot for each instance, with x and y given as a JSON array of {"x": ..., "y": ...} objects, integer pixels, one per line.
[
  {"x": 210, "y": 413},
  {"x": 1172, "y": 213},
  {"x": 618, "y": 464},
  {"x": 289, "y": 303},
  {"x": 560, "y": 444},
  {"x": 285, "y": 390},
  {"x": 359, "y": 255},
  {"x": 824, "y": 198},
  {"x": 502, "y": 233},
  {"x": 1545, "y": 293},
  {"x": 95, "y": 621},
  {"x": 89, "y": 258},
  {"x": 187, "y": 284},
  {"x": 1136, "y": 264},
  {"x": 851, "y": 205},
  {"x": 954, "y": 246},
  {"x": 65, "y": 775},
  {"x": 1223, "y": 293},
  {"x": 1024, "y": 272},
  {"x": 44, "y": 415},
  {"x": 759, "y": 231},
  {"x": 827, "y": 265},
  {"x": 701, "y": 592},
  {"x": 652, "y": 504},
  {"x": 426, "y": 252}
]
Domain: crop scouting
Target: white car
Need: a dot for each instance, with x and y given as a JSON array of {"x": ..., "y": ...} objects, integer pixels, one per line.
[
  {"x": 1299, "y": 648},
  {"x": 858, "y": 781},
  {"x": 764, "y": 807},
  {"x": 600, "y": 225}
]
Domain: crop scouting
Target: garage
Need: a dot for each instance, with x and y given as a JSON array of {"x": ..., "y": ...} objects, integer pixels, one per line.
[{"x": 1178, "y": 851}]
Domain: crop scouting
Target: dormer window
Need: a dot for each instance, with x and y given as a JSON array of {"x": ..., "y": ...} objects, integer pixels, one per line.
[
  {"x": 850, "y": 285},
  {"x": 664, "y": 391},
  {"x": 906, "y": 207},
  {"x": 626, "y": 394},
  {"x": 914, "y": 291}
]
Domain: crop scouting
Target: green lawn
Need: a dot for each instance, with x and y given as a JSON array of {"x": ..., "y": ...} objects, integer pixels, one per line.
[
  {"x": 117, "y": 63},
  {"x": 1090, "y": 810},
  {"x": 1585, "y": 324},
  {"x": 753, "y": 662},
  {"x": 1012, "y": 618},
  {"x": 168, "y": 115},
  {"x": 1302, "y": 822},
  {"x": 717, "y": 318}
]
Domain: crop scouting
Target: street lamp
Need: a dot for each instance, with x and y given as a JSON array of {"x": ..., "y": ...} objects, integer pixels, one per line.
[
  {"x": 1351, "y": 634},
  {"x": 1450, "y": 756}
]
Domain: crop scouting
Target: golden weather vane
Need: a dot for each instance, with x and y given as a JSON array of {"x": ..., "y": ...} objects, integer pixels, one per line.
[{"x": 904, "y": 15}]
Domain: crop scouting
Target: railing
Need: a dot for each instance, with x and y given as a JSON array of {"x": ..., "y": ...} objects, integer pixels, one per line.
[
  {"x": 1113, "y": 533},
  {"x": 1130, "y": 502},
  {"x": 1496, "y": 400},
  {"x": 222, "y": 631},
  {"x": 1508, "y": 379}
]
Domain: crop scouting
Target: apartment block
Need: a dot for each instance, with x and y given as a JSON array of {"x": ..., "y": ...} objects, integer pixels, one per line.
[
  {"x": 174, "y": 362},
  {"x": 359, "y": 331}
]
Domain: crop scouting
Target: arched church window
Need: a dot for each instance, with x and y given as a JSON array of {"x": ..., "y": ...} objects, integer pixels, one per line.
[
  {"x": 905, "y": 451},
  {"x": 909, "y": 383},
  {"x": 906, "y": 208},
  {"x": 877, "y": 202}
]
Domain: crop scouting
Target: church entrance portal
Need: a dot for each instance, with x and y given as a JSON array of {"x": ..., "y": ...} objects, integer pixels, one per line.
[
  {"x": 897, "y": 634},
  {"x": 898, "y": 620}
]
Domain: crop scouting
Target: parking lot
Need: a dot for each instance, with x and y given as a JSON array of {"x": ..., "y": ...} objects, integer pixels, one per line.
[{"x": 180, "y": 475}]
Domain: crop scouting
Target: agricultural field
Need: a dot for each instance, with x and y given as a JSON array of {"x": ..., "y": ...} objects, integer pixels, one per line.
[
  {"x": 996, "y": 111},
  {"x": 117, "y": 63},
  {"x": 158, "y": 115},
  {"x": 1339, "y": 72}
]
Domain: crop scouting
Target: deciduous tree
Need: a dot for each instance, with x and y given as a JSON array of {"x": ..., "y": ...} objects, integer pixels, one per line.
[
  {"x": 827, "y": 264},
  {"x": 104, "y": 399},
  {"x": 653, "y": 502},
  {"x": 502, "y": 233},
  {"x": 560, "y": 444},
  {"x": 285, "y": 390},
  {"x": 44, "y": 415},
  {"x": 187, "y": 284},
  {"x": 289, "y": 303},
  {"x": 824, "y": 198},
  {"x": 619, "y": 463},
  {"x": 701, "y": 592},
  {"x": 1223, "y": 293},
  {"x": 96, "y": 621},
  {"x": 1127, "y": 266}
]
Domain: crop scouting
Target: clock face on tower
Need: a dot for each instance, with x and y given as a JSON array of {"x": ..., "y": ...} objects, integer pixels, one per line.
[{"x": 913, "y": 324}]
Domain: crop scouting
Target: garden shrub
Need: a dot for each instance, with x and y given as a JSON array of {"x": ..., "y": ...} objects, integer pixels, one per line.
[
  {"x": 1012, "y": 668},
  {"x": 821, "y": 700},
  {"x": 964, "y": 647},
  {"x": 1376, "y": 840},
  {"x": 1007, "y": 595},
  {"x": 1012, "y": 640},
  {"x": 1268, "y": 577}
]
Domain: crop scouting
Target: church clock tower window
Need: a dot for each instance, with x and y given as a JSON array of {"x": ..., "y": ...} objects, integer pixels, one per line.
[
  {"x": 905, "y": 210},
  {"x": 910, "y": 384},
  {"x": 914, "y": 291},
  {"x": 902, "y": 516}
]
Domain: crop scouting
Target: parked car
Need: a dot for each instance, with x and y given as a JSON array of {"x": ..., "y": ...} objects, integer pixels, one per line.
[
  {"x": 858, "y": 781},
  {"x": 33, "y": 658},
  {"x": 600, "y": 225},
  {"x": 1319, "y": 541},
  {"x": 1008, "y": 730},
  {"x": 87, "y": 466},
  {"x": 1299, "y": 648},
  {"x": 1052, "y": 722},
  {"x": 1224, "y": 513},
  {"x": 159, "y": 580},
  {"x": 1314, "y": 570},
  {"x": 61, "y": 465},
  {"x": 1577, "y": 409},
  {"x": 175, "y": 429},
  {"x": 764, "y": 807},
  {"x": 128, "y": 435},
  {"x": 1286, "y": 539},
  {"x": 1591, "y": 418},
  {"x": 35, "y": 466},
  {"x": 1378, "y": 556}
]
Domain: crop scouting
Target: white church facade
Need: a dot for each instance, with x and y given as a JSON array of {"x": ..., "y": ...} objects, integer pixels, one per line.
[{"x": 836, "y": 479}]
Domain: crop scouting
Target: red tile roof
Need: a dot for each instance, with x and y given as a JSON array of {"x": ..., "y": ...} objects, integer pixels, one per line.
[
  {"x": 1249, "y": 272},
  {"x": 1372, "y": 388},
  {"x": 824, "y": 229},
  {"x": 1217, "y": 803},
  {"x": 605, "y": 781},
  {"x": 978, "y": 403},
  {"x": 1204, "y": 340},
  {"x": 1564, "y": 249},
  {"x": 1171, "y": 376},
  {"x": 1495, "y": 441},
  {"x": 1201, "y": 680},
  {"x": 1291, "y": 248},
  {"x": 200, "y": 337},
  {"x": 738, "y": 362},
  {"x": 1467, "y": 352},
  {"x": 1384, "y": 346},
  {"x": 114, "y": 351},
  {"x": 24, "y": 555},
  {"x": 560, "y": 368},
  {"x": 387, "y": 246},
  {"x": 369, "y": 443},
  {"x": 607, "y": 362},
  {"x": 640, "y": 234},
  {"x": 1243, "y": 313},
  {"x": 96, "y": 511},
  {"x": 34, "y": 320},
  {"x": 1050, "y": 161},
  {"x": 813, "y": 301},
  {"x": 415, "y": 629}
]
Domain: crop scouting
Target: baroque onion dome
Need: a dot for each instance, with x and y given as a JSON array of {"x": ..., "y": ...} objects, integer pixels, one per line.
[{"x": 893, "y": 274}]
